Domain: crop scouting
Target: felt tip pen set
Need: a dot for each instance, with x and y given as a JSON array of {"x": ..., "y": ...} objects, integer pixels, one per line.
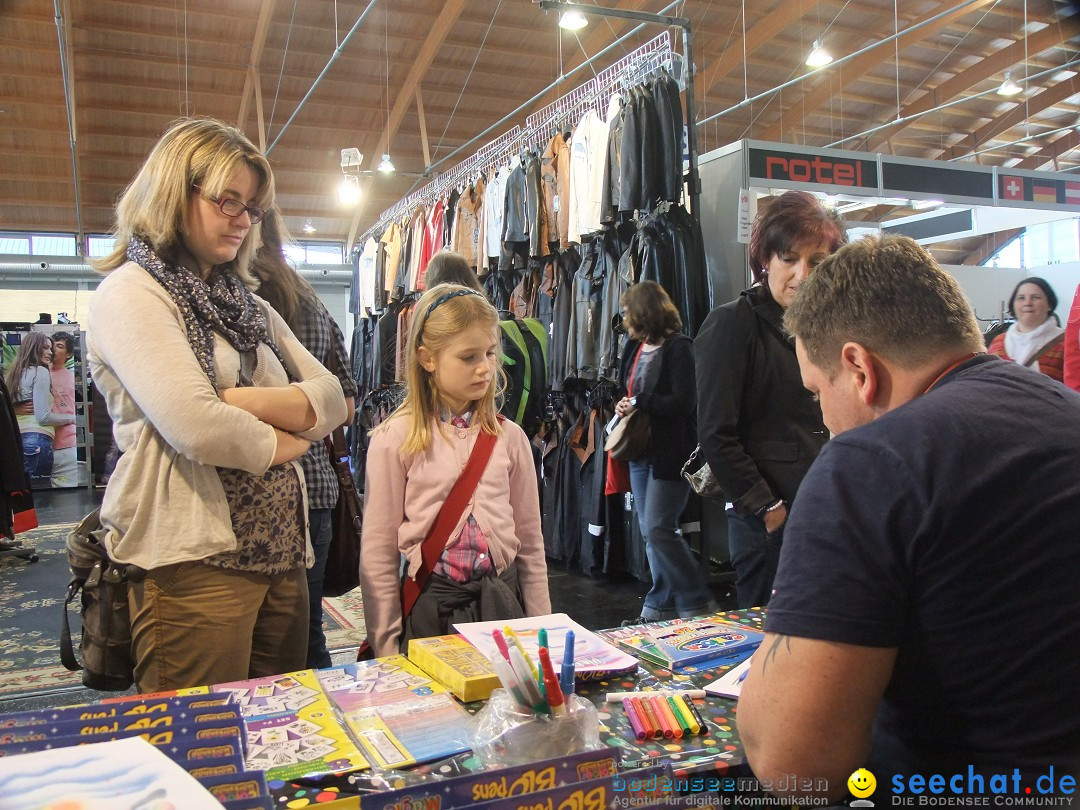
[
  {"x": 535, "y": 689},
  {"x": 663, "y": 716}
]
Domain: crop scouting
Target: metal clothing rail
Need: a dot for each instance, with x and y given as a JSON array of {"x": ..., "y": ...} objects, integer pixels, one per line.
[{"x": 631, "y": 69}]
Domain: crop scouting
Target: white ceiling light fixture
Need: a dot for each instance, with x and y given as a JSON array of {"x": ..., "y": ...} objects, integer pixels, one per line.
[
  {"x": 349, "y": 190},
  {"x": 819, "y": 56},
  {"x": 308, "y": 227},
  {"x": 386, "y": 166},
  {"x": 1009, "y": 87},
  {"x": 572, "y": 20}
]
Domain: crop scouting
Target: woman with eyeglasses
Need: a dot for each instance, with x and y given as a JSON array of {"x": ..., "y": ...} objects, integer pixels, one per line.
[{"x": 206, "y": 504}]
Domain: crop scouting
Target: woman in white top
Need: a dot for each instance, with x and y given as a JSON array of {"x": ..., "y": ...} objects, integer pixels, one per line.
[
  {"x": 30, "y": 381},
  {"x": 1036, "y": 339},
  {"x": 207, "y": 504}
]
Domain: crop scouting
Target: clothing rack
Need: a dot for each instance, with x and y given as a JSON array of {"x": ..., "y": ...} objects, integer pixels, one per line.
[{"x": 631, "y": 69}]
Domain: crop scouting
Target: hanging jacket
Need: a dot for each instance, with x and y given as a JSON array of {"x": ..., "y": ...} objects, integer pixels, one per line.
[
  {"x": 609, "y": 205},
  {"x": 536, "y": 208},
  {"x": 515, "y": 207},
  {"x": 670, "y": 117},
  {"x": 649, "y": 155},
  {"x": 555, "y": 173}
]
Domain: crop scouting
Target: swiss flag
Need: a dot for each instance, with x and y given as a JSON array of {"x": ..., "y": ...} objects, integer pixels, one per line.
[
  {"x": 1012, "y": 187},
  {"x": 1072, "y": 193}
]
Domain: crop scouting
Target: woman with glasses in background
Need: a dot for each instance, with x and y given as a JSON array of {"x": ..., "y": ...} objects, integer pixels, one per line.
[{"x": 207, "y": 501}]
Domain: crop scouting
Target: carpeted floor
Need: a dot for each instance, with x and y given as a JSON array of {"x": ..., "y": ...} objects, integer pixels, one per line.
[{"x": 31, "y": 596}]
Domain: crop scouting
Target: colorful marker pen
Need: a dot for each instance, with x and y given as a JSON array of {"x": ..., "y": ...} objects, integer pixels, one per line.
[
  {"x": 552, "y": 691},
  {"x": 566, "y": 676},
  {"x": 511, "y": 638},
  {"x": 640, "y": 732},
  {"x": 500, "y": 643}
]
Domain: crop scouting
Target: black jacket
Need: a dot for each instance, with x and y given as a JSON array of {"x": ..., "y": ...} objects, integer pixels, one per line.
[
  {"x": 760, "y": 429},
  {"x": 671, "y": 403}
]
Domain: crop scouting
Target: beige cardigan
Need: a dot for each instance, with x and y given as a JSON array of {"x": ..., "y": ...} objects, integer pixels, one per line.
[{"x": 164, "y": 503}]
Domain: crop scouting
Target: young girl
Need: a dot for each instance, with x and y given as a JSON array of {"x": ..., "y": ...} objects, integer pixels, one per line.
[{"x": 493, "y": 566}]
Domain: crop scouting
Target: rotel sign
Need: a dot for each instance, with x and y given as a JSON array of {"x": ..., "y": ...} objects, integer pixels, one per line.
[{"x": 813, "y": 169}]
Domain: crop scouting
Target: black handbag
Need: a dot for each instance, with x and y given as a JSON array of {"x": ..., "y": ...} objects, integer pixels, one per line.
[{"x": 346, "y": 523}]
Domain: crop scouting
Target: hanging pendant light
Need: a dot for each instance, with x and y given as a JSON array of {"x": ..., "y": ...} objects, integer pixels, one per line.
[
  {"x": 572, "y": 20},
  {"x": 819, "y": 56},
  {"x": 386, "y": 166},
  {"x": 1009, "y": 87}
]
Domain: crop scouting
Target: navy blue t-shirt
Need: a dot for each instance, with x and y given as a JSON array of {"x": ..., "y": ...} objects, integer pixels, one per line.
[{"x": 950, "y": 529}]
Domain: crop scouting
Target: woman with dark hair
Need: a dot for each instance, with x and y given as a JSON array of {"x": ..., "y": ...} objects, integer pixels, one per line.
[
  {"x": 295, "y": 300},
  {"x": 657, "y": 373},
  {"x": 1036, "y": 339},
  {"x": 760, "y": 429},
  {"x": 448, "y": 267},
  {"x": 29, "y": 382}
]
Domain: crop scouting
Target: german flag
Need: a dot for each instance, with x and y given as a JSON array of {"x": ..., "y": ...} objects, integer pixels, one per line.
[{"x": 1042, "y": 192}]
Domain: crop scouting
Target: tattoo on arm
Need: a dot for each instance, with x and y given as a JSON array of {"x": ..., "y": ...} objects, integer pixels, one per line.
[{"x": 771, "y": 654}]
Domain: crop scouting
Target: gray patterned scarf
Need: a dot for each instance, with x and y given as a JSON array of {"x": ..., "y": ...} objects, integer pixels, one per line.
[{"x": 220, "y": 304}]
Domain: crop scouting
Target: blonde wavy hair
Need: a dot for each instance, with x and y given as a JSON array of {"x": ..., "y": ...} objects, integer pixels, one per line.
[
  {"x": 435, "y": 329},
  {"x": 193, "y": 152}
]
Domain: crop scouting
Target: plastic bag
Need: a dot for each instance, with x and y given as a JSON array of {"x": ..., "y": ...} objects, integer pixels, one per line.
[{"x": 502, "y": 734}]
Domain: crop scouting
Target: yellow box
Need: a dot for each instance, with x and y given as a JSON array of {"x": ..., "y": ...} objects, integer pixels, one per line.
[{"x": 456, "y": 663}]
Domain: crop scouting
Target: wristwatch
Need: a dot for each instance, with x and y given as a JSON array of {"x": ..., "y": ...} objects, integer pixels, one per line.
[{"x": 633, "y": 401}]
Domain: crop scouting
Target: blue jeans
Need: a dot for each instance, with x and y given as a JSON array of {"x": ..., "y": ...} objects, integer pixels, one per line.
[
  {"x": 38, "y": 459},
  {"x": 319, "y": 527},
  {"x": 755, "y": 555},
  {"x": 679, "y": 587}
]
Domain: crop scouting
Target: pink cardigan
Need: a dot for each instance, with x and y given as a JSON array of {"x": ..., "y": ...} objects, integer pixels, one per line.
[{"x": 403, "y": 496}]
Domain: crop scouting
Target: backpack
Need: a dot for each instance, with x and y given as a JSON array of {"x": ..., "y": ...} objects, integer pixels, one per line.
[
  {"x": 105, "y": 642},
  {"x": 524, "y": 348}
]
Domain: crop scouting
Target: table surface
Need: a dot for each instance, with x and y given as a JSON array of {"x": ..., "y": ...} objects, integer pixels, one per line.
[{"x": 718, "y": 752}]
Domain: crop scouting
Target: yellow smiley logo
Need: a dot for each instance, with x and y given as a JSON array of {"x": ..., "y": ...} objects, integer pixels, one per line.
[{"x": 862, "y": 783}]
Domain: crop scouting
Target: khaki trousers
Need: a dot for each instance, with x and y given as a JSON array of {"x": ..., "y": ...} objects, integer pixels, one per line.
[{"x": 193, "y": 624}]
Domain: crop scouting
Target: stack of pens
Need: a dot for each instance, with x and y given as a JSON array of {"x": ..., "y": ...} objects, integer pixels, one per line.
[
  {"x": 662, "y": 714},
  {"x": 535, "y": 690}
]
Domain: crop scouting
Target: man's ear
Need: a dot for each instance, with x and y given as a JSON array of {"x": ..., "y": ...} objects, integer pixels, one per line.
[
  {"x": 426, "y": 358},
  {"x": 861, "y": 365}
]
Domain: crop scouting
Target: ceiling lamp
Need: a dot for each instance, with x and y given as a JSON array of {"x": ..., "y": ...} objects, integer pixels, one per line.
[
  {"x": 819, "y": 57},
  {"x": 349, "y": 190},
  {"x": 386, "y": 166},
  {"x": 1009, "y": 87},
  {"x": 572, "y": 20},
  {"x": 308, "y": 227}
]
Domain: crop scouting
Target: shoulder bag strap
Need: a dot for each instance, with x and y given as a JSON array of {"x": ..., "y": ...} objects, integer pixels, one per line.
[
  {"x": 439, "y": 533},
  {"x": 1053, "y": 342}
]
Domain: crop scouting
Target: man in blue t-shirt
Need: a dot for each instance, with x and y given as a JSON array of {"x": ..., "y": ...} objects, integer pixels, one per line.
[{"x": 925, "y": 616}]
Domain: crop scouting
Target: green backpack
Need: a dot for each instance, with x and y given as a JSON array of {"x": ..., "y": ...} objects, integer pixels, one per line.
[{"x": 524, "y": 348}]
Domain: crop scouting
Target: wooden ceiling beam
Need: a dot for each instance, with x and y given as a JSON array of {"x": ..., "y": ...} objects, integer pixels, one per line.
[
  {"x": 1024, "y": 110},
  {"x": 448, "y": 15},
  {"x": 1051, "y": 152},
  {"x": 838, "y": 77},
  {"x": 949, "y": 89},
  {"x": 760, "y": 33},
  {"x": 251, "y": 76}
]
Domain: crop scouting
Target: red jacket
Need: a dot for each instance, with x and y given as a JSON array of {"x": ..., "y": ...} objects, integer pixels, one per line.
[{"x": 1072, "y": 344}]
